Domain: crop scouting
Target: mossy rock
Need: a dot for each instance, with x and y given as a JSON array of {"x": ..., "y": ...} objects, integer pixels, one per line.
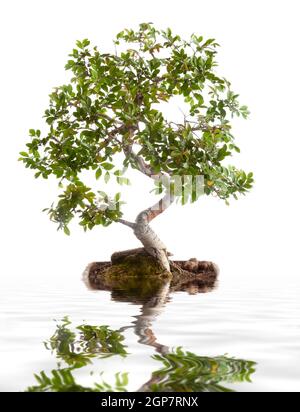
[
  {"x": 135, "y": 263},
  {"x": 134, "y": 274}
]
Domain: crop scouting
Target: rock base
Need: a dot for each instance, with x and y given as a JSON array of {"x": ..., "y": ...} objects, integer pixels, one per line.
[{"x": 136, "y": 273}]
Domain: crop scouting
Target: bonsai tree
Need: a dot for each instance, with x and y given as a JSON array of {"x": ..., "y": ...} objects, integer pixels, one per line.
[{"x": 110, "y": 110}]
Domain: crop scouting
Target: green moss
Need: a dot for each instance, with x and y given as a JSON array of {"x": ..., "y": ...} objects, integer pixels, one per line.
[
  {"x": 135, "y": 274},
  {"x": 136, "y": 262}
]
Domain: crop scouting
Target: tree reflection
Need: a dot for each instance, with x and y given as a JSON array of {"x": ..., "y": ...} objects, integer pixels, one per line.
[
  {"x": 179, "y": 370},
  {"x": 63, "y": 380},
  {"x": 152, "y": 293},
  {"x": 78, "y": 349},
  {"x": 188, "y": 372}
]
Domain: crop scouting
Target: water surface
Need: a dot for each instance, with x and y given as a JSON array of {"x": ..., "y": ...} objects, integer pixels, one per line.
[{"x": 236, "y": 322}]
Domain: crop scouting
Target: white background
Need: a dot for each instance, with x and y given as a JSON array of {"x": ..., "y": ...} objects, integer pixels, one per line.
[{"x": 256, "y": 236}]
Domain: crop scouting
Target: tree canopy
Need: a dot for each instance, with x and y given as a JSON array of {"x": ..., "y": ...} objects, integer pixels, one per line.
[{"x": 111, "y": 106}]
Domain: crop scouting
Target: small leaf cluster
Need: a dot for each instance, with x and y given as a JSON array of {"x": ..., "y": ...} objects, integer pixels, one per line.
[{"x": 91, "y": 208}]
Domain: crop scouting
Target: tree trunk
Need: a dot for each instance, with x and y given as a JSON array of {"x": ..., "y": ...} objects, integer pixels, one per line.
[
  {"x": 142, "y": 230},
  {"x": 151, "y": 242}
]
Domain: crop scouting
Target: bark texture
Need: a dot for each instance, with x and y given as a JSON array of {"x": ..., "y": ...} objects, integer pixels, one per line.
[
  {"x": 151, "y": 242},
  {"x": 141, "y": 228},
  {"x": 146, "y": 235}
]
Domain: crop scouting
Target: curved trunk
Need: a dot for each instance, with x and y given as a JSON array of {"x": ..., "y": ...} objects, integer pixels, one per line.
[
  {"x": 151, "y": 242},
  {"x": 142, "y": 230}
]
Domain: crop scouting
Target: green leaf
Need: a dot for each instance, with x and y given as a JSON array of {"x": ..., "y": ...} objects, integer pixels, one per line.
[
  {"x": 82, "y": 44},
  {"x": 107, "y": 166},
  {"x": 98, "y": 173},
  {"x": 67, "y": 231},
  {"x": 85, "y": 42},
  {"x": 106, "y": 177},
  {"x": 123, "y": 180}
]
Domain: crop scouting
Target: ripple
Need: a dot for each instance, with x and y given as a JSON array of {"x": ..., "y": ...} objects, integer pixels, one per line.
[{"x": 261, "y": 324}]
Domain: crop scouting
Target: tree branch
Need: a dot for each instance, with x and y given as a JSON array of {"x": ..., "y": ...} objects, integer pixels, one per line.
[
  {"x": 140, "y": 163},
  {"x": 127, "y": 223}
]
